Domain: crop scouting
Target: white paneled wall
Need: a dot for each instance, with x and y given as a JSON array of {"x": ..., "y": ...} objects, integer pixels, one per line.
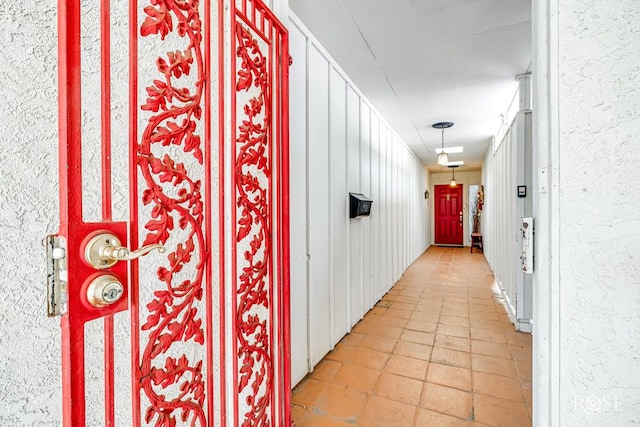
[
  {"x": 341, "y": 267},
  {"x": 500, "y": 218},
  {"x": 505, "y": 168},
  {"x": 507, "y": 165}
]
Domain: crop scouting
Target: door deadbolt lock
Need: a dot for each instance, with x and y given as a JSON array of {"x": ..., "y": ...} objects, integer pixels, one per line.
[
  {"x": 104, "y": 290},
  {"x": 104, "y": 250}
]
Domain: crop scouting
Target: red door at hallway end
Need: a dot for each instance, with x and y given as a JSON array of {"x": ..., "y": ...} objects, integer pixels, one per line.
[{"x": 448, "y": 215}]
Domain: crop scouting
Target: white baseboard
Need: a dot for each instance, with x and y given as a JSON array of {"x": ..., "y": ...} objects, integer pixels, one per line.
[{"x": 521, "y": 325}]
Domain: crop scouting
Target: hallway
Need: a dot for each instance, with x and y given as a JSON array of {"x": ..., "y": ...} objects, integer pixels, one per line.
[{"x": 437, "y": 350}]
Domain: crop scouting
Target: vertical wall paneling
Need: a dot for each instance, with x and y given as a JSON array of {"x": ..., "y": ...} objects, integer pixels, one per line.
[
  {"x": 376, "y": 208},
  {"x": 406, "y": 205},
  {"x": 298, "y": 200},
  {"x": 355, "y": 225},
  {"x": 420, "y": 208},
  {"x": 384, "y": 205},
  {"x": 339, "y": 144},
  {"x": 397, "y": 205},
  {"x": 419, "y": 202},
  {"x": 339, "y": 215},
  {"x": 365, "y": 187},
  {"x": 407, "y": 217},
  {"x": 391, "y": 206},
  {"x": 507, "y": 165},
  {"x": 416, "y": 200},
  {"x": 425, "y": 223},
  {"x": 319, "y": 214},
  {"x": 487, "y": 210},
  {"x": 401, "y": 211},
  {"x": 393, "y": 191},
  {"x": 383, "y": 226}
]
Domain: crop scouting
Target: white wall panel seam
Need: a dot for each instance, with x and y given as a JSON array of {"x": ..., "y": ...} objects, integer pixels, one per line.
[
  {"x": 320, "y": 304},
  {"x": 360, "y": 190},
  {"x": 332, "y": 269},
  {"x": 300, "y": 362},
  {"x": 308, "y": 214},
  {"x": 347, "y": 189}
]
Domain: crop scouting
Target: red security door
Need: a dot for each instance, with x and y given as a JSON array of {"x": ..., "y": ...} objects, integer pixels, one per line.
[
  {"x": 448, "y": 215},
  {"x": 170, "y": 271}
]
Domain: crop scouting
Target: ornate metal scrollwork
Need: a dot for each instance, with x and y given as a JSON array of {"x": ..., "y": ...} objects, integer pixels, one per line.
[{"x": 174, "y": 386}]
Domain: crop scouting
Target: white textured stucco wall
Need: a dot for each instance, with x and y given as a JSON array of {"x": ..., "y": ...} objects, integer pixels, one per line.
[
  {"x": 600, "y": 211},
  {"x": 587, "y": 341},
  {"x": 29, "y": 341}
]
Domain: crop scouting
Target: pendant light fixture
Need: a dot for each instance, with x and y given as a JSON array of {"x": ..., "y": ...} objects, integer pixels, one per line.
[
  {"x": 453, "y": 182},
  {"x": 443, "y": 157}
]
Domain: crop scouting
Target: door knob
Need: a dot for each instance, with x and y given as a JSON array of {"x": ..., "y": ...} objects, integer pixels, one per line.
[
  {"x": 104, "y": 290},
  {"x": 104, "y": 250}
]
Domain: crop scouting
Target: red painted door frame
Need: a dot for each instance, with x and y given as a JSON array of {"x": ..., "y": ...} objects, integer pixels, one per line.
[{"x": 449, "y": 215}]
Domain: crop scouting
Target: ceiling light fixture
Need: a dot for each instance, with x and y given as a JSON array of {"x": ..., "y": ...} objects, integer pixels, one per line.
[
  {"x": 443, "y": 157},
  {"x": 453, "y": 182},
  {"x": 456, "y": 163},
  {"x": 451, "y": 150}
]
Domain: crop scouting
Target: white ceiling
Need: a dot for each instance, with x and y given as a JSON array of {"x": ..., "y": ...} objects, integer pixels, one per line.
[{"x": 425, "y": 61}]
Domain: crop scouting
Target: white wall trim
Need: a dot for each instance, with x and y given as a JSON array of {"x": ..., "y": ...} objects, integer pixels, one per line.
[
  {"x": 522, "y": 325},
  {"x": 307, "y": 210},
  {"x": 546, "y": 331}
]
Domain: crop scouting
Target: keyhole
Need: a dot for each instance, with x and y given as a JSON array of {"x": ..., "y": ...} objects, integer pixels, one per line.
[
  {"x": 111, "y": 295},
  {"x": 104, "y": 290}
]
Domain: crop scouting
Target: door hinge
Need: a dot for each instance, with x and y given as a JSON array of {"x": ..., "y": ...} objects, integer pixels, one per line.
[{"x": 56, "y": 275}]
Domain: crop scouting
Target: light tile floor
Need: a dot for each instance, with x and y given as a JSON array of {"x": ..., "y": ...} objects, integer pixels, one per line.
[{"x": 437, "y": 350}]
